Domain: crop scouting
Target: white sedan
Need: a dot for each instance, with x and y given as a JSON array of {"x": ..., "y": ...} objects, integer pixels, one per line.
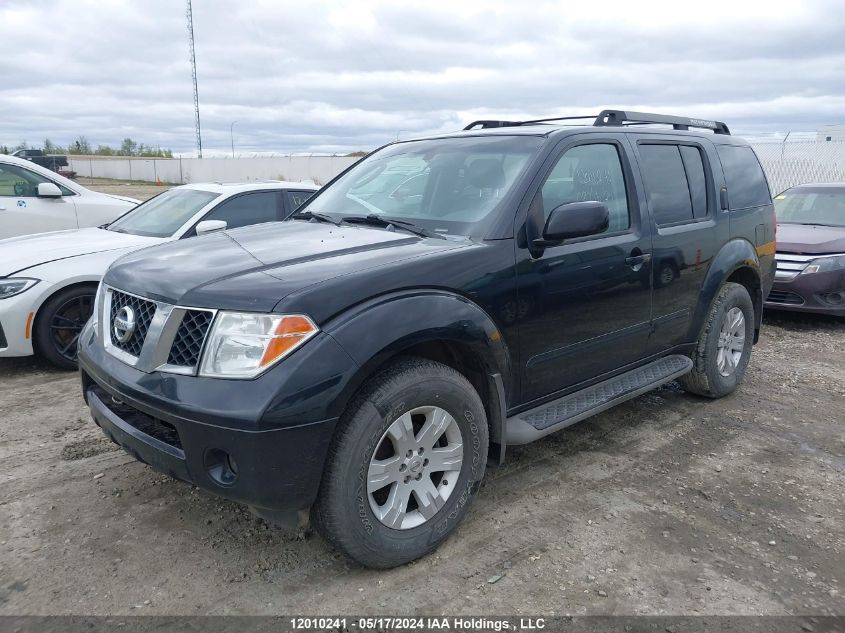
[
  {"x": 48, "y": 281},
  {"x": 34, "y": 200}
]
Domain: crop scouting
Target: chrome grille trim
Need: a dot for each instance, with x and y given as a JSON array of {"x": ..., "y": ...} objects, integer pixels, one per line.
[
  {"x": 790, "y": 265},
  {"x": 160, "y": 336}
]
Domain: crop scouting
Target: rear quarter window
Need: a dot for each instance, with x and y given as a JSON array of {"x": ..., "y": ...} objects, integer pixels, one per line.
[{"x": 747, "y": 186}]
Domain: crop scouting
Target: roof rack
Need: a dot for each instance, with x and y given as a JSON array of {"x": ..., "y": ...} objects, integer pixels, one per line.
[
  {"x": 616, "y": 118},
  {"x": 621, "y": 117}
]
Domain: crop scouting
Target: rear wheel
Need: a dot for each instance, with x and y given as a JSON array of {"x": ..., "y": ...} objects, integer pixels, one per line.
[
  {"x": 60, "y": 321},
  {"x": 724, "y": 348},
  {"x": 404, "y": 465}
]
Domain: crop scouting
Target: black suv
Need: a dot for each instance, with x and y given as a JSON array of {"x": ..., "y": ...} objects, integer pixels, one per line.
[{"x": 438, "y": 301}]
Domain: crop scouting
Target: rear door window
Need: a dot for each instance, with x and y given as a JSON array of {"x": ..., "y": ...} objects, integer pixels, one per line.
[
  {"x": 666, "y": 185},
  {"x": 246, "y": 209},
  {"x": 694, "y": 168},
  {"x": 675, "y": 182},
  {"x": 747, "y": 186}
]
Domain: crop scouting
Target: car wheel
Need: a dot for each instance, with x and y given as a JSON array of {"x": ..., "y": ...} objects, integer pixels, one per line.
[
  {"x": 665, "y": 276},
  {"x": 724, "y": 348},
  {"x": 60, "y": 321},
  {"x": 404, "y": 465}
]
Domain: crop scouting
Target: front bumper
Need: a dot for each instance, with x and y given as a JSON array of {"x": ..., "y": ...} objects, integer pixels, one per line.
[
  {"x": 809, "y": 293},
  {"x": 260, "y": 442}
]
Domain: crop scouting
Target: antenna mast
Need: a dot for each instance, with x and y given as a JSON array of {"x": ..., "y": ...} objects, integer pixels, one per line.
[{"x": 190, "y": 17}]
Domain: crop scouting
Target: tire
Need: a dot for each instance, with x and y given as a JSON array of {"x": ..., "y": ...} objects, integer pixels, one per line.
[
  {"x": 59, "y": 322},
  {"x": 713, "y": 375},
  {"x": 345, "y": 511}
]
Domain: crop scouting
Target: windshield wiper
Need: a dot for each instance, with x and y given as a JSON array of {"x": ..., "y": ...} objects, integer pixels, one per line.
[
  {"x": 379, "y": 220},
  {"x": 320, "y": 217}
]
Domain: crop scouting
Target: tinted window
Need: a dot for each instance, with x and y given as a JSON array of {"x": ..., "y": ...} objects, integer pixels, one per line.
[
  {"x": 296, "y": 199},
  {"x": 744, "y": 177},
  {"x": 694, "y": 167},
  {"x": 666, "y": 183},
  {"x": 246, "y": 209},
  {"x": 589, "y": 172}
]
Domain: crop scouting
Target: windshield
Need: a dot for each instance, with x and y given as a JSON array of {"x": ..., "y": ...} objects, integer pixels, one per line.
[
  {"x": 811, "y": 206},
  {"x": 163, "y": 215},
  {"x": 446, "y": 185}
]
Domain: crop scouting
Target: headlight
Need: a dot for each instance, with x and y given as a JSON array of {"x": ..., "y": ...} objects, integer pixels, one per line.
[
  {"x": 12, "y": 287},
  {"x": 98, "y": 300},
  {"x": 825, "y": 264},
  {"x": 243, "y": 344}
]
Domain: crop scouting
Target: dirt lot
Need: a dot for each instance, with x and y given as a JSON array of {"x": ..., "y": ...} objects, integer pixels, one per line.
[
  {"x": 668, "y": 504},
  {"x": 133, "y": 189}
]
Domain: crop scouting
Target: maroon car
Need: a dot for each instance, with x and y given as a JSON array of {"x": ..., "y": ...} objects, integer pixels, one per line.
[{"x": 810, "y": 250}]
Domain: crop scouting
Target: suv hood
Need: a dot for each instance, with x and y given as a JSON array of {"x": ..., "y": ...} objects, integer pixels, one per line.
[
  {"x": 255, "y": 267},
  {"x": 810, "y": 240},
  {"x": 20, "y": 253}
]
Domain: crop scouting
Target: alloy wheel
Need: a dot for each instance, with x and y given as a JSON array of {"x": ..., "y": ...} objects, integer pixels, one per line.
[
  {"x": 731, "y": 342},
  {"x": 67, "y": 322},
  {"x": 415, "y": 467}
]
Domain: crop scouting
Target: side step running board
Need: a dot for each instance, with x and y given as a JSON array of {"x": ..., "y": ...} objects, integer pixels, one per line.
[{"x": 550, "y": 417}]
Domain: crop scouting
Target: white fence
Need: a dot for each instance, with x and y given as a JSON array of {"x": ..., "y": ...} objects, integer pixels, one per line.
[
  {"x": 319, "y": 169},
  {"x": 785, "y": 163},
  {"x": 791, "y": 163}
]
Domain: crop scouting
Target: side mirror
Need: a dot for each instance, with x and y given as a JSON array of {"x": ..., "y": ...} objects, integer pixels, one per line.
[
  {"x": 210, "y": 226},
  {"x": 574, "y": 219},
  {"x": 49, "y": 190}
]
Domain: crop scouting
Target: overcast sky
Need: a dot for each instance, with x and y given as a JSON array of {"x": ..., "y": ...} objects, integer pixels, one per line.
[{"x": 314, "y": 76}]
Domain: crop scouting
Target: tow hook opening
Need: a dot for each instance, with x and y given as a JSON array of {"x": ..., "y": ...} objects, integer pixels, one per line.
[{"x": 221, "y": 467}]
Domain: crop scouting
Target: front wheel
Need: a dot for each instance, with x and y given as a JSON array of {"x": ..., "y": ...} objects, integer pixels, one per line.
[
  {"x": 724, "y": 348},
  {"x": 59, "y": 323},
  {"x": 404, "y": 465}
]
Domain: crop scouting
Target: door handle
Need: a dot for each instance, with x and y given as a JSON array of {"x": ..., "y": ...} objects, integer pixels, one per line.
[{"x": 637, "y": 261}]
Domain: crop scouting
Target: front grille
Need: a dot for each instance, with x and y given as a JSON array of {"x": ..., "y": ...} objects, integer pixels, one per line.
[
  {"x": 159, "y": 429},
  {"x": 3, "y": 342},
  {"x": 790, "y": 265},
  {"x": 143, "y": 310},
  {"x": 782, "y": 296},
  {"x": 186, "y": 348}
]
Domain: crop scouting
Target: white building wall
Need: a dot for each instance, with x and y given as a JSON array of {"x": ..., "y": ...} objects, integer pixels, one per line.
[{"x": 319, "y": 169}]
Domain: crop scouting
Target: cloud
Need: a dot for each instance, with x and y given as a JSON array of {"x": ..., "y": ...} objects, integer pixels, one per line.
[{"x": 338, "y": 76}]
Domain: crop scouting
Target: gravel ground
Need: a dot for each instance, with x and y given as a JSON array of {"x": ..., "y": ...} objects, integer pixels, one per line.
[{"x": 668, "y": 504}]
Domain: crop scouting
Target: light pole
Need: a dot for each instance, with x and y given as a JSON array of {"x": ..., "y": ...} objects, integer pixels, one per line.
[{"x": 232, "y": 137}]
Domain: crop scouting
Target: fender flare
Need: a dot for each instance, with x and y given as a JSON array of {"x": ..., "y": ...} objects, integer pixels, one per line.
[
  {"x": 736, "y": 254},
  {"x": 376, "y": 330}
]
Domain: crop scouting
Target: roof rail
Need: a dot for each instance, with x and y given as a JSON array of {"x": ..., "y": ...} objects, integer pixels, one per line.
[
  {"x": 493, "y": 123},
  {"x": 621, "y": 117},
  {"x": 615, "y": 117},
  {"x": 484, "y": 124}
]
